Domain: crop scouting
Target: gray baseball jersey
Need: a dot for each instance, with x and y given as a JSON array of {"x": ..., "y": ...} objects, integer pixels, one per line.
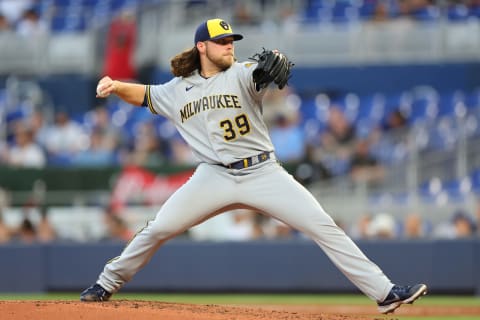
[{"x": 221, "y": 119}]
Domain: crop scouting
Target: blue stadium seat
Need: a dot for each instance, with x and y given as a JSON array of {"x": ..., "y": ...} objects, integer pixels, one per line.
[
  {"x": 316, "y": 11},
  {"x": 422, "y": 110},
  {"x": 367, "y": 9},
  {"x": 349, "y": 104},
  {"x": 371, "y": 108},
  {"x": 474, "y": 11},
  {"x": 444, "y": 134},
  {"x": 62, "y": 3},
  {"x": 401, "y": 100},
  {"x": 68, "y": 23},
  {"x": 427, "y": 14},
  {"x": 475, "y": 180},
  {"x": 345, "y": 11},
  {"x": 451, "y": 104},
  {"x": 458, "y": 13},
  {"x": 472, "y": 99},
  {"x": 457, "y": 189}
]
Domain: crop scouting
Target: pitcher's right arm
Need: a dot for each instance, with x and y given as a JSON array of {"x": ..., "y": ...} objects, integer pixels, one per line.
[{"x": 132, "y": 93}]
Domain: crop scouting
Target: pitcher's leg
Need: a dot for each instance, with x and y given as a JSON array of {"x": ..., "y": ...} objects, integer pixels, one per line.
[
  {"x": 185, "y": 208},
  {"x": 291, "y": 203}
]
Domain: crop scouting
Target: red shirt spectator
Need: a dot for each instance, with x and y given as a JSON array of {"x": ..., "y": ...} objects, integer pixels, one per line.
[{"x": 120, "y": 48}]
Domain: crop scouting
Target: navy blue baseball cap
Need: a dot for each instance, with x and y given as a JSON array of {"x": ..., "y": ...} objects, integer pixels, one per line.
[{"x": 215, "y": 29}]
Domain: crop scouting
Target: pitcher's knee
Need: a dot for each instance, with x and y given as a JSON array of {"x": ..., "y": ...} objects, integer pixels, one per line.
[{"x": 163, "y": 231}]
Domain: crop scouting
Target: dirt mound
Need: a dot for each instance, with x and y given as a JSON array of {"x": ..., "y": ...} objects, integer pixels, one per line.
[{"x": 143, "y": 310}]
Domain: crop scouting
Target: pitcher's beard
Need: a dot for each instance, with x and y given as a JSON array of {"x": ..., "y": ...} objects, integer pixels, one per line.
[{"x": 223, "y": 62}]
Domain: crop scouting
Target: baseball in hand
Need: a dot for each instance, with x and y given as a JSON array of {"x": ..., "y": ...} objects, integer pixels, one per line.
[{"x": 99, "y": 91}]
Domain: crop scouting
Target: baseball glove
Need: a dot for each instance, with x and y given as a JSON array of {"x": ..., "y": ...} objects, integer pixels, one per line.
[{"x": 272, "y": 66}]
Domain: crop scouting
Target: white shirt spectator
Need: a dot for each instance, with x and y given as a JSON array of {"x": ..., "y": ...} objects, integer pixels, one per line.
[
  {"x": 14, "y": 9},
  {"x": 31, "y": 25},
  {"x": 25, "y": 152},
  {"x": 30, "y": 156},
  {"x": 65, "y": 136}
]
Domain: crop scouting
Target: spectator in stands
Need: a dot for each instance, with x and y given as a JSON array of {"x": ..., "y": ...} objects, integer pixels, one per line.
[
  {"x": 340, "y": 134},
  {"x": 395, "y": 120},
  {"x": 45, "y": 231},
  {"x": 101, "y": 121},
  {"x": 414, "y": 226},
  {"x": 65, "y": 138},
  {"x": 243, "y": 227},
  {"x": 14, "y": 9},
  {"x": 97, "y": 154},
  {"x": 147, "y": 147},
  {"x": 39, "y": 127},
  {"x": 464, "y": 225},
  {"x": 275, "y": 229},
  {"x": 120, "y": 47},
  {"x": 381, "y": 12},
  {"x": 275, "y": 103},
  {"x": 25, "y": 152},
  {"x": 5, "y": 232},
  {"x": 117, "y": 228},
  {"x": 477, "y": 217},
  {"x": 30, "y": 25},
  {"x": 4, "y": 24},
  {"x": 364, "y": 167},
  {"x": 460, "y": 225},
  {"x": 26, "y": 233},
  {"x": 244, "y": 15},
  {"x": 288, "y": 139},
  {"x": 382, "y": 226},
  {"x": 311, "y": 168},
  {"x": 337, "y": 141},
  {"x": 360, "y": 229},
  {"x": 181, "y": 153}
]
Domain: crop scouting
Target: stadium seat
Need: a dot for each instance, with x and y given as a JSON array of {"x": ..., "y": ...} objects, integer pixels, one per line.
[
  {"x": 475, "y": 180},
  {"x": 345, "y": 11},
  {"x": 457, "y": 189},
  {"x": 429, "y": 13},
  {"x": 371, "y": 108},
  {"x": 458, "y": 13},
  {"x": 472, "y": 99},
  {"x": 349, "y": 104},
  {"x": 443, "y": 134},
  {"x": 317, "y": 11},
  {"x": 366, "y": 9},
  {"x": 452, "y": 104}
]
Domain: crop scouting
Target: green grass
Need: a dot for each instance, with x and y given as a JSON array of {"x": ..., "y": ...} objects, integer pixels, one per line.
[
  {"x": 432, "y": 318},
  {"x": 227, "y": 298}
]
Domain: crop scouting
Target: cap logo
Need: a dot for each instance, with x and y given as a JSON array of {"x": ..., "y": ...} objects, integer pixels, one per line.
[{"x": 224, "y": 25}]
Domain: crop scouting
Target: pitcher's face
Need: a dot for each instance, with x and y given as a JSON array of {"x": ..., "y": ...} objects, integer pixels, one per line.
[{"x": 220, "y": 52}]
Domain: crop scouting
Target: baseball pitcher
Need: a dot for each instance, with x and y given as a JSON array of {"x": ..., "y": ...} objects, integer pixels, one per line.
[{"x": 215, "y": 103}]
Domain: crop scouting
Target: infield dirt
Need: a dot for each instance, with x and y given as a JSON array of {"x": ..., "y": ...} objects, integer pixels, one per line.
[{"x": 146, "y": 310}]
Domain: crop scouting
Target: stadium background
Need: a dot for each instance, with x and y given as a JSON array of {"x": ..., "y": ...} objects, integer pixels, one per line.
[{"x": 349, "y": 54}]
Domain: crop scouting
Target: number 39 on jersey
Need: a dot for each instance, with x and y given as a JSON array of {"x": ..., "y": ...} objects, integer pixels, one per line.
[{"x": 233, "y": 127}]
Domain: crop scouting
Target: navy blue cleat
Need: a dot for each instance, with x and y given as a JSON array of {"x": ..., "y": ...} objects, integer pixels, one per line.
[
  {"x": 95, "y": 293},
  {"x": 400, "y": 295}
]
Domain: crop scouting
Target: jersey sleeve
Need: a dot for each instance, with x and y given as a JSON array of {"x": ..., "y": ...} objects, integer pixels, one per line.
[
  {"x": 246, "y": 71},
  {"x": 159, "y": 98}
]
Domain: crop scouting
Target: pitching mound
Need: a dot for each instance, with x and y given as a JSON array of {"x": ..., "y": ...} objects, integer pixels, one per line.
[{"x": 143, "y": 310}]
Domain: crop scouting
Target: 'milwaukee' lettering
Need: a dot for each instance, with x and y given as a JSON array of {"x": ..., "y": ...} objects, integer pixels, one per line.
[{"x": 218, "y": 102}]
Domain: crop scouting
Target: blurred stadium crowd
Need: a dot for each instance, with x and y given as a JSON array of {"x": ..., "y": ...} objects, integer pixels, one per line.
[
  {"x": 27, "y": 16},
  {"x": 327, "y": 137}
]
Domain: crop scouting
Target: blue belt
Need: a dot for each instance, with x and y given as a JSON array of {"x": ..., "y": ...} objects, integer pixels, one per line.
[{"x": 248, "y": 162}]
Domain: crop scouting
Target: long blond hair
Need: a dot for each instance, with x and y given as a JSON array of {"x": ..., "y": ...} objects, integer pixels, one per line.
[{"x": 185, "y": 63}]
